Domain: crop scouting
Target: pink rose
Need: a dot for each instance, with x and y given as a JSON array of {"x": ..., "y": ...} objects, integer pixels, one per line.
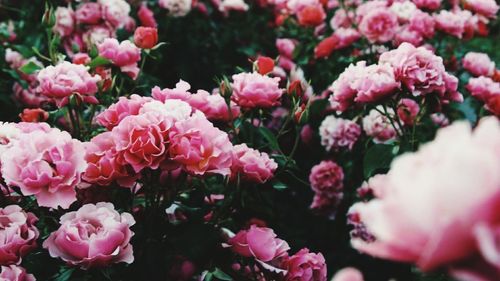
[
  {"x": 486, "y": 90},
  {"x": 337, "y": 133},
  {"x": 327, "y": 178},
  {"x": 454, "y": 22},
  {"x": 251, "y": 164},
  {"x": 444, "y": 214},
  {"x": 15, "y": 273},
  {"x": 478, "y": 64},
  {"x": 326, "y": 205},
  {"x": 422, "y": 23},
  {"x": 286, "y": 47},
  {"x": 124, "y": 107},
  {"x": 346, "y": 36},
  {"x": 379, "y": 25},
  {"x": 199, "y": 147},
  {"x": 65, "y": 79},
  {"x": 408, "y": 110},
  {"x": 176, "y": 8},
  {"x": 305, "y": 266},
  {"x": 146, "y": 16},
  {"x": 487, "y": 8},
  {"x": 97, "y": 34},
  {"x": 94, "y": 236},
  {"x": 65, "y": 21},
  {"x": 341, "y": 19},
  {"x": 18, "y": 234},
  {"x": 348, "y": 274},
  {"x": 47, "y": 165},
  {"x": 214, "y": 106},
  {"x": 115, "y": 12},
  {"x": 440, "y": 119},
  {"x": 406, "y": 34},
  {"x": 180, "y": 92},
  {"x": 88, "y": 13},
  {"x": 29, "y": 97},
  {"x": 255, "y": 90},
  {"x": 258, "y": 242},
  {"x": 146, "y": 37},
  {"x": 366, "y": 7},
  {"x": 379, "y": 126},
  {"x": 124, "y": 55},
  {"x": 428, "y": 4}
]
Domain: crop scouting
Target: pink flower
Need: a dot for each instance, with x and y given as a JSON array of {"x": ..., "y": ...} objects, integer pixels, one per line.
[
  {"x": 47, "y": 165},
  {"x": 478, "y": 64},
  {"x": 326, "y": 205},
  {"x": 94, "y": 236},
  {"x": 146, "y": 37},
  {"x": 251, "y": 164},
  {"x": 487, "y": 8},
  {"x": 214, "y": 106},
  {"x": 406, "y": 34},
  {"x": 421, "y": 71},
  {"x": 379, "y": 126},
  {"x": 337, "y": 133},
  {"x": 327, "y": 178},
  {"x": 65, "y": 21},
  {"x": 440, "y": 119},
  {"x": 146, "y": 16},
  {"x": 124, "y": 107},
  {"x": 18, "y": 234},
  {"x": 15, "y": 273},
  {"x": 305, "y": 266},
  {"x": 232, "y": 5},
  {"x": 341, "y": 19},
  {"x": 348, "y": 274},
  {"x": 285, "y": 47},
  {"x": 88, "y": 13},
  {"x": 428, "y": 4},
  {"x": 258, "y": 242},
  {"x": 346, "y": 36},
  {"x": 176, "y": 8},
  {"x": 124, "y": 55},
  {"x": 408, "y": 110},
  {"x": 65, "y": 79},
  {"x": 379, "y": 25},
  {"x": 180, "y": 92},
  {"x": 115, "y": 12},
  {"x": 312, "y": 15},
  {"x": 438, "y": 207},
  {"x": 485, "y": 90},
  {"x": 422, "y": 23},
  {"x": 199, "y": 147},
  {"x": 453, "y": 23},
  {"x": 364, "y": 8},
  {"x": 96, "y": 35},
  {"x": 255, "y": 90}
]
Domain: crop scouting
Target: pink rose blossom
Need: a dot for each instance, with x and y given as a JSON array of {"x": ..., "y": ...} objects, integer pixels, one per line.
[
  {"x": 255, "y": 90},
  {"x": 438, "y": 207},
  {"x": 124, "y": 55},
  {"x": 199, "y": 147},
  {"x": 404, "y": 10},
  {"x": 93, "y": 236},
  {"x": 65, "y": 79},
  {"x": 176, "y": 8},
  {"x": 47, "y": 165},
  {"x": 258, "y": 242},
  {"x": 440, "y": 119},
  {"x": 180, "y": 92},
  {"x": 487, "y": 8},
  {"x": 453, "y": 23},
  {"x": 346, "y": 36},
  {"x": 232, "y": 5},
  {"x": 327, "y": 178},
  {"x": 428, "y": 4},
  {"x": 115, "y": 12},
  {"x": 88, "y": 13},
  {"x": 65, "y": 21},
  {"x": 15, "y": 273},
  {"x": 174, "y": 110},
  {"x": 341, "y": 19},
  {"x": 348, "y": 274},
  {"x": 251, "y": 164},
  {"x": 406, "y": 34},
  {"x": 29, "y": 97},
  {"x": 286, "y": 47},
  {"x": 478, "y": 64},
  {"x": 366, "y": 7},
  {"x": 18, "y": 234},
  {"x": 146, "y": 16},
  {"x": 96, "y": 35},
  {"x": 408, "y": 110},
  {"x": 214, "y": 106},
  {"x": 483, "y": 88},
  {"x": 305, "y": 266},
  {"x": 422, "y": 23},
  {"x": 124, "y": 107},
  {"x": 337, "y": 133},
  {"x": 379, "y": 25},
  {"x": 379, "y": 127}
]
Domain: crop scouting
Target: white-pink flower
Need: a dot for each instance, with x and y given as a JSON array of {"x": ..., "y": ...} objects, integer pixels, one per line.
[
  {"x": 252, "y": 90},
  {"x": 337, "y": 133}
]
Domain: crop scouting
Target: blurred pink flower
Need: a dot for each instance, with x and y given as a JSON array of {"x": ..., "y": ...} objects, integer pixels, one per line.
[
  {"x": 251, "y": 164},
  {"x": 65, "y": 21},
  {"x": 348, "y": 274},
  {"x": 337, "y": 133},
  {"x": 15, "y": 273},
  {"x": 327, "y": 178},
  {"x": 407, "y": 111},
  {"x": 115, "y": 12},
  {"x": 478, "y": 64},
  {"x": 88, "y": 13},
  {"x": 379, "y": 127},
  {"x": 379, "y": 25}
]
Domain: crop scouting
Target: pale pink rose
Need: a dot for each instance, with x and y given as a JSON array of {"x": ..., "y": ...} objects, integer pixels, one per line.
[
  {"x": 15, "y": 273},
  {"x": 428, "y": 4},
  {"x": 251, "y": 164},
  {"x": 327, "y": 178},
  {"x": 337, "y": 133},
  {"x": 341, "y": 19},
  {"x": 379, "y": 127},
  {"x": 440, "y": 119},
  {"x": 29, "y": 97},
  {"x": 232, "y": 5},
  {"x": 423, "y": 23},
  {"x": 453, "y": 23},
  {"x": 146, "y": 16},
  {"x": 93, "y": 236},
  {"x": 124, "y": 55},
  {"x": 174, "y": 110},
  {"x": 62, "y": 81},
  {"x": 252, "y": 90},
  {"x": 438, "y": 207},
  {"x": 305, "y": 266},
  {"x": 404, "y": 10},
  {"x": 142, "y": 140},
  {"x": 88, "y": 13},
  {"x": 294, "y": 6},
  {"x": 199, "y": 147},
  {"x": 366, "y": 7},
  {"x": 104, "y": 164},
  {"x": 487, "y": 8},
  {"x": 408, "y": 110},
  {"x": 180, "y": 92},
  {"x": 65, "y": 21},
  {"x": 96, "y": 35},
  {"x": 406, "y": 34},
  {"x": 421, "y": 71},
  {"x": 47, "y": 165},
  {"x": 176, "y": 8},
  {"x": 478, "y": 64},
  {"x": 286, "y": 47},
  {"x": 124, "y": 107},
  {"x": 18, "y": 234},
  {"x": 214, "y": 106},
  {"x": 346, "y": 36},
  {"x": 483, "y": 88},
  {"x": 348, "y": 274},
  {"x": 258, "y": 242},
  {"x": 379, "y": 25},
  {"x": 115, "y": 12}
]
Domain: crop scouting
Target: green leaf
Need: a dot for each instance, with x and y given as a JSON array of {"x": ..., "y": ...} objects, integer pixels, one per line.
[
  {"x": 269, "y": 137},
  {"x": 221, "y": 275},
  {"x": 64, "y": 274},
  {"x": 98, "y": 61},
  {"x": 29, "y": 68},
  {"x": 279, "y": 185},
  {"x": 208, "y": 277},
  {"x": 377, "y": 158}
]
